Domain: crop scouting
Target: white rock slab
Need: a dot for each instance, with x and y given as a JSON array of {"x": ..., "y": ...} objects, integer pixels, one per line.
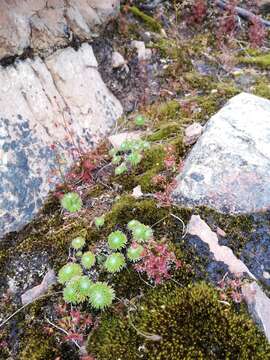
[
  {"x": 258, "y": 305},
  {"x": 45, "y": 25},
  {"x": 228, "y": 168},
  {"x": 60, "y": 103},
  {"x": 198, "y": 227}
]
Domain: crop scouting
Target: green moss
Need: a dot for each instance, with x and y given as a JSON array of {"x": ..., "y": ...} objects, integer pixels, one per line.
[
  {"x": 191, "y": 322},
  {"x": 198, "y": 81},
  {"x": 178, "y": 52},
  {"x": 262, "y": 61},
  {"x": 37, "y": 345},
  {"x": 128, "y": 208},
  {"x": 165, "y": 132},
  {"x": 262, "y": 88},
  {"x": 150, "y": 22}
]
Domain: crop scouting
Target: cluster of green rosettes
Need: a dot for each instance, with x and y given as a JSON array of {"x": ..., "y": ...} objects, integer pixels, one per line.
[
  {"x": 128, "y": 155},
  {"x": 78, "y": 285}
]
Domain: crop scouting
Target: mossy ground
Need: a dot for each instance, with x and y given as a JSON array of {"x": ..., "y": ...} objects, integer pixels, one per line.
[
  {"x": 190, "y": 319},
  {"x": 191, "y": 323}
]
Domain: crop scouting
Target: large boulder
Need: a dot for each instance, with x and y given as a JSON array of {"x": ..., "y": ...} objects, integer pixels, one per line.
[
  {"x": 60, "y": 103},
  {"x": 228, "y": 168},
  {"x": 44, "y": 25}
]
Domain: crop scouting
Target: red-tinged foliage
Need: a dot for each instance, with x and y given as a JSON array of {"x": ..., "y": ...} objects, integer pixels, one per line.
[
  {"x": 228, "y": 23},
  {"x": 75, "y": 323},
  {"x": 257, "y": 32},
  {"x": 157, "y": 262},
  {"x": 231, "y": 289},
  {"x": 165, "y": 197},
  {"x": 198, "y": 12}
]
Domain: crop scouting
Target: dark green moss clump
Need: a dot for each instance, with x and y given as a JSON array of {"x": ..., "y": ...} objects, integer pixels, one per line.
[
  {"x": 150, "y": 22},
  {"x": 191, "y": 322},
  {"x": 262, "y": 61}
]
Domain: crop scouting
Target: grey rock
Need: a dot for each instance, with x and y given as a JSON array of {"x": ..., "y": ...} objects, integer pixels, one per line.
[
  {"x": 45, "y": 25},
  {"x": 258, "y": 306},
  {"x": 48, "y": 110},
  {"x": 143, "y": 53},
  {"x": 32, "y": 294},
  {"x": 198, "y": 227},
  {"x": 228, "y": 168},
  {"x": 192, "y": 133},
  {"x": 257, "y": 301},
  {"x": 117, "y": 60}
]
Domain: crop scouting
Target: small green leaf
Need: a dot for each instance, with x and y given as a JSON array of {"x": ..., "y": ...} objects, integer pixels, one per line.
[
  {"x": 140, "y": 120},
  {"x": 68, "y": 271},
  {"x": 134, "y": 252},
  {"x": 121, "y": 169},
  {"x": 99, "y": 221}
]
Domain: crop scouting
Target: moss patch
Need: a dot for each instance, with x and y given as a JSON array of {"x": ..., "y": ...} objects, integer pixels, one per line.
[
  {"x": 262, "y": 61},
  {"x": 150, "y": 22},
  {"x": 191, "y": 322}
]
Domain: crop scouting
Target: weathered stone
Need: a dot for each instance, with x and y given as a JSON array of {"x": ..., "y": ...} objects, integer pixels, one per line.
[
  {"x": 257, "y": 301},
  {"x": 143, "y": 53},
  {"x": 228, "y": 168},
  {"x": 199, "y": 228},
  {"x": 45, "y": 25},
  {"x": 41, "y": 289},
  {"x": 258, "y": 305},
  {"x": 117, "y": 60},
  {"x": 57, "y": 106},
  {"x": 192, "y": 133}
]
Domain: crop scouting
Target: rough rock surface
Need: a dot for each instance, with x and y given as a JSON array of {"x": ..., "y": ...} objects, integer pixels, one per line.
[
  {"x": 228, "y": 168},
  {"x": 258, "y": 305},
  {"x": 47, "y": 108},
  {"x": 44, "y": 25},
  {"x": 199, "y": 228},
  {"x": 206, "y": 243}
]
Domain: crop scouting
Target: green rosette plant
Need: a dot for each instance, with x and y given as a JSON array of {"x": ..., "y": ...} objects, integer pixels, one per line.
[
  {"x": 99, "y": 221},
  {"x": 101, "y": 295},
  {"x": 117, "y": 240},
  {"x": 78, "y": 243},
  {"x": 142, "y": 233},
  {"x": 115, "y": 262},
  {"x": 88, "y": 259},
  {"x": 71, "y": 202},
  {"x": 68, "y": 271},
  {"x": 135, "y": 252}
]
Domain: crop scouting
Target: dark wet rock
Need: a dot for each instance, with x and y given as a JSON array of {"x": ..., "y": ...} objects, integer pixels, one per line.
[
  {"x": 48, "y": 109},
  {"x": 228, "y": 168}
]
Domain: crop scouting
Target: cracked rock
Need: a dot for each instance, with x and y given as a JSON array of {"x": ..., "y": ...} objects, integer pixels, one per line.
[
  {"x": 47, "y": 107},
  {"x": 44, "y": 25},
  {"x": 228, "y": 168}
]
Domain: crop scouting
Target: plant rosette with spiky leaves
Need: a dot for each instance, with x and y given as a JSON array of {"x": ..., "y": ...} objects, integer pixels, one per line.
[
  {"x": 135, "y": 252},
  {"x": 99, "y": 221},
  {"x": 115, "y": 262},
  {"x": 78, "y": 243},
  {"x": 88, "y": 260},
  {"x": 101, "y": 295},
  {"x": 71, "y": 202},
  {"x": 117, "y": 240},
  {"x": 140, "y": 232},
  {"x": 68, "y": 271}
]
